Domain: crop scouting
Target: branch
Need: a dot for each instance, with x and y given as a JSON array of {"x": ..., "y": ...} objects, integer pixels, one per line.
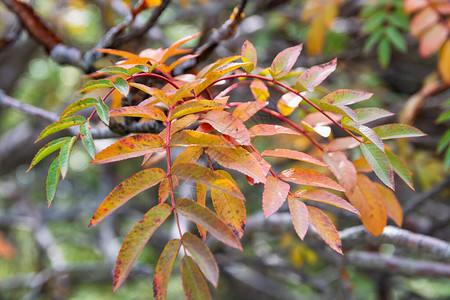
[
  {"x": 422, "y": 197},
  {"x": 398, "y": 237},
  {"x": 225, "y": 32},
  {"x": 396, "y": 265}
]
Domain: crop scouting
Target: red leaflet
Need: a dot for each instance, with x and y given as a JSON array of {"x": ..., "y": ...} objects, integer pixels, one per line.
[
  {"x": 342, "y": 168},
  {"x": 314, "y": 76},
  {"x": 269, "y": 130},
  {"x": 292, "y": 154},
  {"x": 228, "y": 124},
  {"x": 284, "y": 61},
  {"x": 325, "y": 197},
  {"x": 325, "y": 228},
  {"x": 248, "y": 53},
  {"x": 134, "y": 185},
  {"x": 299, "y": 214},
  {"x": 136, "y": 240},
  {"x": 129, "y": 147},
  {"x": 274, "y": 195},
  {"x": 309, "y": 177}
]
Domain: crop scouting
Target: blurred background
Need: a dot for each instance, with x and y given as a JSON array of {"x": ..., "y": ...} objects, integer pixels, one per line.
[{"x": 382, "y": 47}]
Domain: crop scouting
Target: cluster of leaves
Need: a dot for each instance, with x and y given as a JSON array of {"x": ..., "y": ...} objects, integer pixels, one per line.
[
  {"x": 384, "y": 22},
  {"x": 444, "y": 143},
  {"x": 430, "y": 24},
  {"x": 320, "y": 16},
  {"x": 198, "y": 116}
]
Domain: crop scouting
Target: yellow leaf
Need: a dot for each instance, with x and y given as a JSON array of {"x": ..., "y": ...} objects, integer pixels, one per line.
[
  {"x": 444, "y": 62},
  {"x": 152, "y": 3}
]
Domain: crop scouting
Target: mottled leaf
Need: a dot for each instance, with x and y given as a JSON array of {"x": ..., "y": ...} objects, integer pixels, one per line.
[
  {"x": 248, "y": 53},
  {"x": 60, "y": 125},
  {"x": 314, "y": 76},
  {"x": 216, "y": 74},
  {"x": 342, "y": 169},
  {"x": 136, "y": 240},
  {"x": 396, "y": 131},
  {"x": 259, "y": 90},
  {"x": 367, "y": 133},
  {"x": 345, "y": 97},
  {"x": 284, "y": 61},
  {"x": 379, "y": 162},
  {"x": 148, "y": 112},
  {"x": 325, "y": 197},
  {"x": 164, "y": 268},
  {"x": 129, "y": 147},
  {"x": 274, "y": 195},
  {"x": 52, "y": 180},
  {"x": 48, "y": 149},
  {"x": 292, "y": 154},
  {"x": 202, "y": 256},
  {"x": 269, "y": 130},
  {"x": 96, "y": 84},
  {"x": 229, "y": 208},
  {"x": 228, "y": 124},
  {"x": 64, "y": 155},
  {"x": 310, "y": 178},
  {"x": 206, "y": 218},
  {"x": 114, "y": 70},
  {"x": 369, "y": 114},
  {"x": 164, "y": 188},
  {"x": 77, "y": 106},
  {"x": 187, "y": 138},
  {"x": 325, "y": 228},
  {"x": 238, "y": 159},
  {"x": 194, "y": 285},
  {"x": 246, "y": 110},
  {"x": 199, "y": 174},
  {"x": 368, "y": 201},
  {"x": 299, "y": 215},
  {"x": 393, "y": 207},
  {"x": 129, "y": 188}
]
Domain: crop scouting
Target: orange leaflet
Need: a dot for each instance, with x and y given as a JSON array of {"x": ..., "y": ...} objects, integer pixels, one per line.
[
  {"x": 194, "y": 284},
  {"x": 228, "y": 124},
  {"x": 129, "y": 147},
  {"x": 199, "y": 174},
  {"x": 246, "y": 110},
  {"x": 310, "y": 178},
  {"x": 136, "y": 240},
  {"x": 299, "y": 214},
  {"x": 178, "y": 125},
  {"x": 342, "y": 168},
  {"x": 325, "y": 197},
  {"x": 269, "y": 130},
  {"x": 189, "y": 155},
  {"x": 369, "y": 202},
  {"x": 134, "y": 185},
  {"x": 325, "y": 228},
  {"x": 238, "y": 159},
  {"x": 188, "y": 138},
  {"x": 292, "y": 154},
  {"x": 164, "y": 268},
  {"x": 393, "y": 208},
  {"x": 201, "y": 190},
  {"x": 195, "y": 106},
  {"x": 274, "y": 195},
  {"x": 206, "y": 218},
  {"x": 149, "y": 112},
  {"x": 202, "y": 257}
]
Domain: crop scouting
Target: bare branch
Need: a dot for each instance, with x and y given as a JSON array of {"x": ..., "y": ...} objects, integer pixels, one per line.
[
  {"x": 421, "y": 198},
  {"x": 396, "y": 265}
]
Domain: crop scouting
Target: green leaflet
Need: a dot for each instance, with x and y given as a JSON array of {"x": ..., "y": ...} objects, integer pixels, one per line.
[
  {"x": 114, "y": 70},
  {"x": 379, "y": 162},
  {"x": 400, "y": 168},
  {"x": 64, "y": 155},
  {"x": 86, "y": 138},
  {"x": 122, "y": 86},
  {"x": 60, "y": 125},
  {"x": 96, "y": 84},
  {"x": 52, "y": 180},
  {"x": 77, "y": 106},
  {"x": 102, "y": 111},
  {"x": 47, "y": 150}
]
